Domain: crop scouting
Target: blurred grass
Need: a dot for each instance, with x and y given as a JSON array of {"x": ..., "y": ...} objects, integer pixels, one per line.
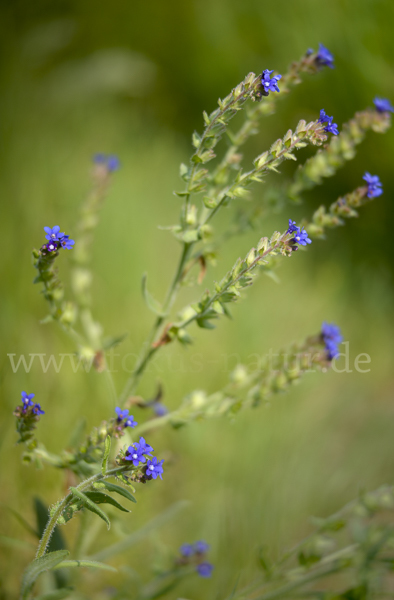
[{"x": 133, "y": 80}]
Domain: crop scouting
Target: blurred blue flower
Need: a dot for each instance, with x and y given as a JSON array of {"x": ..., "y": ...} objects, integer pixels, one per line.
[
  {"x": 201, "y": 546},
  {"x": 332, "y": 127},
  {"x": 122, "y": 414},
  {"x": 325, "y": 118},
  {"x": 292, "y": 226},
  {"x": 332, "y": 337},
  {"x": 374, "y": 185},
  {"x": 204, "y": 569},
  {"x": 111, "y": 162},
  {"x": 37, "y": 410},
  {"x": 145, "y": 446},
  {"x": 154, "y": 468},
  {"x": 270, "y": 84},
  {"x": 159, "y": 409},
  {"x": 383, "y": 105},
  {"x": 130, "y": 422},
  {"x": 324, "y": 57},
  {"x": 51, "y": 246},
  {"x": 186, "y": 550}
]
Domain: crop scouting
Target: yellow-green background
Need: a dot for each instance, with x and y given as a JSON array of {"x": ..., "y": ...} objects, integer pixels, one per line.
[{"x": 132, "y": 78}]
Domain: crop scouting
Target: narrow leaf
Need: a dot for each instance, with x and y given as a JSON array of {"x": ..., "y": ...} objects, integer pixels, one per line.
[
  {"x": 91, "y": 506},
  {"x": 150, "y": 301},
  {"x": 100, "y": 498},
  {"x": 112, "y": 487},
  {"x": 38, "y": 566},
  {"x": 90, "y": 564},
  {"x": 107, "y": 450}
]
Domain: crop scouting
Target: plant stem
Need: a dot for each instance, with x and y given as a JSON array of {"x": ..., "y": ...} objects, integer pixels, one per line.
[{"x": 46, "y": 536}]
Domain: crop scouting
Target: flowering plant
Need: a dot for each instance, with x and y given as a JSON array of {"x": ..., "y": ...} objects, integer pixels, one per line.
[{"x": 109, "y": 462}]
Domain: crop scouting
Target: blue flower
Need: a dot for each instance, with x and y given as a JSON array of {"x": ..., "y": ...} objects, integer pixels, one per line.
[
  {"x": 53, "y": 234},
  {"x": 51, "y": 246},
  {"x": 301, "y": 236},
  {"x": 201, "y": 546},
  {"x": 66, "y": 242},
  {"x": 154, "y": 468},
  {"x": 332, "y": 127},
  {"x": 159, "y": 409},
  {"x": 122, "y": 414},
  {"x": 186, "y": 550},
  {"x": 332, "y": 337},
  {"x": 130, "y": 422},
  {"x": 292, "y": 226},
  {"x": 383, "y": 105},
  {"x": 270, "y": 84},
  {"x": 112, "y": 163},
  {"x": 37, "y": 410},
  {"x": 27, "y": 399},
  {"x": 324, "y": 118},
  {"x": 147, "y": 449},
  {"x": 135, "y": 453},
  {"x": 374, "y": 185},
  {"x": 204, "y": 569},
  {"x": 324, "y": 57}
]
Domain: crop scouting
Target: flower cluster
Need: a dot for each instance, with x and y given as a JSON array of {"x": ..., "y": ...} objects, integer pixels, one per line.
[
  {"x": 330, "y": 127},
  {"x": 324, "y": 58},
  {"x": 111, "y": 163},
  {"x": 383, "y": 105},
  {"x": 300, "y": 237},
  {"x": 270, "y": 84},
  {"x": 138, "y": 454},
  {"x": 331, "y": 335},
  {"x": 374, "y": 185},
  {"x": 56, "y": 240},
  {"x": 195, "y": 553},
  {"x": 120, "y": 422},
  {"x": 28, "y": 414}
]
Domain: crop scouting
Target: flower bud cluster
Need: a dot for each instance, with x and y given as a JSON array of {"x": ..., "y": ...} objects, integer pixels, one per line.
[
  {"x": 194, "y": 554},
  {"x": 27, "y": 416}
]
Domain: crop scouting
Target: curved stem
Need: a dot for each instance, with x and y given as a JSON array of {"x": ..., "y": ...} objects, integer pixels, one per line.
[{"x": 46, "y": 536}]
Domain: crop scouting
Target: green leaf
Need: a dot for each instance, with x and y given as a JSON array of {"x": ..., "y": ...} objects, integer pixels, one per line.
[
  {"x": 91, "y": 506},
  {"x": 38, "y": 566},
  {"x": 56, "y": 594},
  {"x": 101, "y": 498},
  {"x": 107, "y": 450},
  {"x": 112, "y": 487},
  {"x": 90, "y": 564},
  {"x": 150, "y": 301}
]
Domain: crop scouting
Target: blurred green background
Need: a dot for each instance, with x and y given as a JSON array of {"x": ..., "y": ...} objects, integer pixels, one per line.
[{"x": 131, "y": 78}]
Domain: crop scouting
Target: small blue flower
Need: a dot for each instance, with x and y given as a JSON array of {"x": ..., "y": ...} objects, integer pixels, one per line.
[
  {"x": 67, "y": 243},
  {"x": 270, "y": 84},
  {"x": 154, "y": 468},
  {"x": 51, "y": 246},
  {"x": 147, "y": 449},
  {"x": 186, "y": 550},
  {"x": 301, "y": 237},
  {"x": 383, "y": 105},
  {"x": 135, "y": 453},
  {"x": 53, "y": 234},
  {"x": 292, "y": 226},
  {"x": 112, "y": 163},
  {"x": 201, "y": 547},
  {"x": 332, "y": 128},
  {"x": 159, "y": 409},
  {"x": 332, "y": 337},
  {"x": 324, "y": 118},
  {"x": 27, "y": 399},
  {"x": 324, "y": 57},
  {"x": 122, "y": 414},
  {"x": 37, "y": 410},
  {"x": 130, "y": 422},
  {"x": 374, "y": 185},
  {"x": 204, "y": 569}
]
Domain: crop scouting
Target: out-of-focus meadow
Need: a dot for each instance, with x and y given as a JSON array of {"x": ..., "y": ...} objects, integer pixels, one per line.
[{"x": 132, "y": 79}]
